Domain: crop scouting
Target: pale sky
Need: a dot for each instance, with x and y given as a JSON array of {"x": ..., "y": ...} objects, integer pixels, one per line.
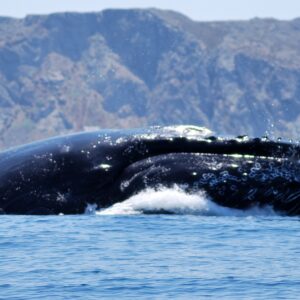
[{"x": 195, "y": 9}]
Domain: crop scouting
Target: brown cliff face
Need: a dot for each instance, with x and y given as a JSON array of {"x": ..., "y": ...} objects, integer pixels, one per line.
[{"x": 62, "y": 73}]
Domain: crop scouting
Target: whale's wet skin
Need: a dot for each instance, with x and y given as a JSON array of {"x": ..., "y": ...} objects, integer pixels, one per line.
[{"x": 66, "y": 174}]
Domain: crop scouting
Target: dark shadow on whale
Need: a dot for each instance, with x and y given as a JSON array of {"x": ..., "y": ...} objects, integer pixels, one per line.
[{"x": 65, "y": 174}]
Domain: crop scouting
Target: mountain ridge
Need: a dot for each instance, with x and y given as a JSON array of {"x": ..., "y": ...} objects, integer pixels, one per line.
[{"x": 68, "y": 72}]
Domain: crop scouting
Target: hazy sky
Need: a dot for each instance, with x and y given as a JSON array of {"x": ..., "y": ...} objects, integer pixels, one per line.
[{"x": 196, "y": 9}]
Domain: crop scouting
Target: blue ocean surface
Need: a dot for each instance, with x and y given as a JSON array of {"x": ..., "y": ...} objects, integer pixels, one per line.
[{"x": 150, "y": 256}]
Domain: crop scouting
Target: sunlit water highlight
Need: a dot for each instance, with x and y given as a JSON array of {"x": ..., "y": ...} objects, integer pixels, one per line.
[{"x": 202, "y": 251}]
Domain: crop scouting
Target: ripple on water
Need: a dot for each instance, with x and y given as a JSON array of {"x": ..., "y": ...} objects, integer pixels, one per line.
[{"x": 149, "y": 256}]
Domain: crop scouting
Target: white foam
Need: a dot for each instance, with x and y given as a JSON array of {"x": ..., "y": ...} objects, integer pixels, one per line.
[{"x": 175, "y": 200}]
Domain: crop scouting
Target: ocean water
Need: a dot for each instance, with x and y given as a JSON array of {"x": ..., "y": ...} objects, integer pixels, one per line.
[{"x": 130, "y": 251}]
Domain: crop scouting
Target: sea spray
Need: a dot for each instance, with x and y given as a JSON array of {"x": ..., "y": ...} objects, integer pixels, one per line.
[{"x": 177, "y": 201}]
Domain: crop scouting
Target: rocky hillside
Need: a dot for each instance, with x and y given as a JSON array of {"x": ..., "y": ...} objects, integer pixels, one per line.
[{"x": 62, "y": 73}]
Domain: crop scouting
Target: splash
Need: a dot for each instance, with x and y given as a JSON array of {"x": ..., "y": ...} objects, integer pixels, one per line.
[{"x": 176, "y": 201}]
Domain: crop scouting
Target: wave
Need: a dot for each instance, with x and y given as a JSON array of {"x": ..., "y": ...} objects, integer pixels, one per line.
[{"x": 176, "y": 201}]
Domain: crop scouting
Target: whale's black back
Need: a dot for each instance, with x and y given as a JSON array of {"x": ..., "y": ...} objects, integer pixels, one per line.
[{"x": 64, "y": 174}]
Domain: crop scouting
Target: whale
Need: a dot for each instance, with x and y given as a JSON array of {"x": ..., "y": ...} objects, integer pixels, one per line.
[{"x": 65, "y": 174}]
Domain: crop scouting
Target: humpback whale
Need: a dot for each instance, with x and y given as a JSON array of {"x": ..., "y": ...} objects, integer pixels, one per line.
[{"x": 64, "y": 174}]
